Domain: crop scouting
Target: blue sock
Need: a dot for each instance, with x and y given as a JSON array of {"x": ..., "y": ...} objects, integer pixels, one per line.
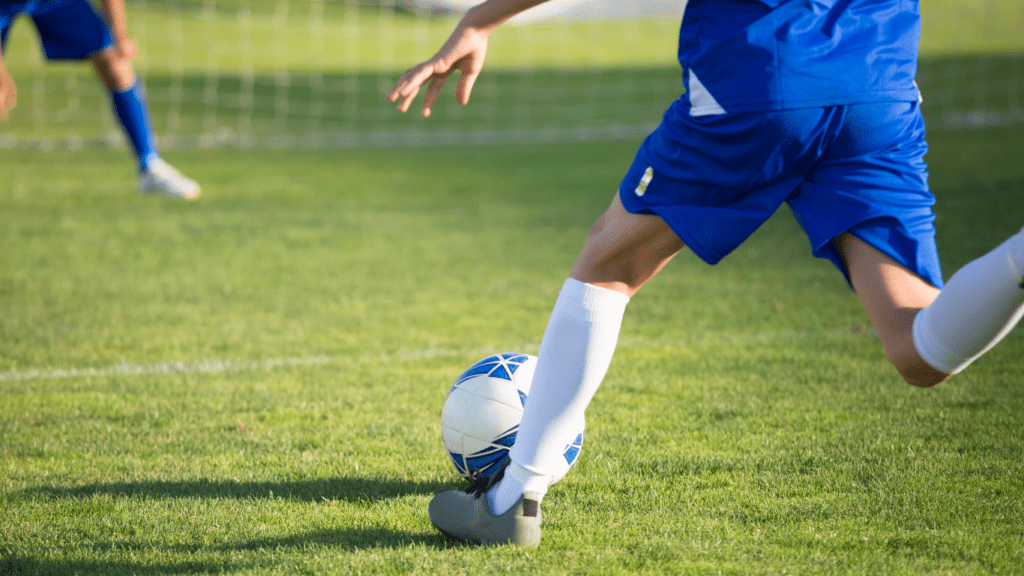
[{"x": 130, "y": 106}]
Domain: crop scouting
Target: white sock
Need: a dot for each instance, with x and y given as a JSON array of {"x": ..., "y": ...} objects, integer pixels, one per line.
[
  {"x": 516, "y": 481},
  {"x": 979, "y": 305},
  {"x": 574, "y": 356}
]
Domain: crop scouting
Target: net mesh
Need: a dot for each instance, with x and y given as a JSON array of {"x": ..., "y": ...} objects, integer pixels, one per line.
[{"x": 290, "y": 73}]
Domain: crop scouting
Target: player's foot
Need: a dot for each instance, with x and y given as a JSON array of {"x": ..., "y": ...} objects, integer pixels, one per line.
[
  {"x": 162, "y": 178},
  {"x": 468, "y": 516}
]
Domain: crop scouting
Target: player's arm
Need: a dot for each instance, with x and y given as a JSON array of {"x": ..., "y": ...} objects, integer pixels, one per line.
[
  {"x": 8, "y": 91},
  {"x": 117, "y": 19},
  {"x": 464, "y": 51}
]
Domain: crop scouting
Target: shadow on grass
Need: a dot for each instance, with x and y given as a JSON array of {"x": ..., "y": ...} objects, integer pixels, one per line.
[
  {"x": 16, "y": 564},
  {"x": 347, "y": 540},
  {"x": 328, "y": 489}
]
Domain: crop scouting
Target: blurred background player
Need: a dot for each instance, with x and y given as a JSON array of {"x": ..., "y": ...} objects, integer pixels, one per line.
[
  {"x": 813, "y": 104},
  {"x": 73, "y": 30}
]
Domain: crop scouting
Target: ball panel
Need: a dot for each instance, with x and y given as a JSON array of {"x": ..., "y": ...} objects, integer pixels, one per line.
[
  {"x": 573, "y": 450},
  {"x": 502, "y": 366},
  {"x": 492, "y": 389},
  {"x": 479, "y": 416},
  {"x": 472, "y": 463}
]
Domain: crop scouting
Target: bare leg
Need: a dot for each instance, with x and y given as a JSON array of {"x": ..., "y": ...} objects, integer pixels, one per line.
[
  {"x": 929, "y": 334},
  {"x": 892, "y": 296},
  {"x": 114, "y": 69},
  {"x": 624, "y": 251}
]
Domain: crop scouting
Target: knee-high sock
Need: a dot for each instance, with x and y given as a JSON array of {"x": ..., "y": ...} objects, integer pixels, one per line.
[
  {"x": 979, "y": 305},
  {"x": 574, "y": 356},
  {"x": 131, "y": 110}
]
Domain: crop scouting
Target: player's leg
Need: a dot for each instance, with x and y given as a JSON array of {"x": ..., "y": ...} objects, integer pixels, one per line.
[
  {"x": 156, "y": 176},
  {"x": 623, "y": 250},
  {"x": 72, "y": 30},
  {"x": 976, "y": 309},
  {"x": 867, "y": 206},
  {"x": 621, "y": 253},
  {"x": 891, "y": 296},
  {"x": 117, "y": 74},
  {"x": 114, "y": 67},
  {"x": 929, "y": 334}
]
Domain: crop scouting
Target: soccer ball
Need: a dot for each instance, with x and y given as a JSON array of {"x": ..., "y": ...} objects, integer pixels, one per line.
[{"x": 482, "y": 412}]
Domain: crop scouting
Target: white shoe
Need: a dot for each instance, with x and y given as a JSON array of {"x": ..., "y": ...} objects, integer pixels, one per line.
[{"x": 162, "y": 178}]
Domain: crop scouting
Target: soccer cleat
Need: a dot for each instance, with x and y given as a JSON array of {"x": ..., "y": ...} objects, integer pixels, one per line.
[
  {"x": 468, "y": 516},
  {"x": 162, "y": 178}
]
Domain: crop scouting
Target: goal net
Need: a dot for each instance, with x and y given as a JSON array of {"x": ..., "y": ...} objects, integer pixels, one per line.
[{"x": 292, "y": 73}]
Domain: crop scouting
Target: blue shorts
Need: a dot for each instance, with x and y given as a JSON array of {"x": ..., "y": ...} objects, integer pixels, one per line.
[
  {"x": 857, "y": 168},
  {"x": 68, "y": 29}
]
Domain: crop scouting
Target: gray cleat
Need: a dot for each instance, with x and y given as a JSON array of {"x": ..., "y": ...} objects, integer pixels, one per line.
[{"x": 468, "y": 516}]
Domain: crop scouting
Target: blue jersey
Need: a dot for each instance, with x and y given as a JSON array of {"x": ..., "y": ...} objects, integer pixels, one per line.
[{"x": 749, "y": 55}]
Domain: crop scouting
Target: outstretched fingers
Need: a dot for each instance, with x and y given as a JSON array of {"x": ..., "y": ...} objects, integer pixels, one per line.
[
  {"x": 464, "y": 51},
  {"x": 408, "y": 86}
]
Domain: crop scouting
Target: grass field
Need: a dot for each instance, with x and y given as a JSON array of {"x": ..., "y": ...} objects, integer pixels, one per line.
[{"x": 251, "y": 384}]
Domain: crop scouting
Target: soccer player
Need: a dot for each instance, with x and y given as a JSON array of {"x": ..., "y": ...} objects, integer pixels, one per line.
[
  {"x": 809, "y": 103},
  {"x": 73, "y": 30}
]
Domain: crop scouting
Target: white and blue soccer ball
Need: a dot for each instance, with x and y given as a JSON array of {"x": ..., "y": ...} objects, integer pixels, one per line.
[{"x": 482, "y": 412}]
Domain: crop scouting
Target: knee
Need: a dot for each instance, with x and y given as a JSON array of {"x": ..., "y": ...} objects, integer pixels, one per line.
[
  {"x": 115, "y": 69},
  {"x": 606, "y": 262},
  {"x": 917, "y": 372},
  {"x": 924, "y": 380},
  {"x": 611, "y": 273}
]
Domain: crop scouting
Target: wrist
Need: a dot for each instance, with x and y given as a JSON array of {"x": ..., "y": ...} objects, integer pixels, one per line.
[
  {"x": 485, "y": 17},
  {"x": 476, "y": 21}
]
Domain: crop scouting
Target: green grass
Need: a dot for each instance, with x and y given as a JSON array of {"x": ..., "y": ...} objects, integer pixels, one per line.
[{"x": 251, "y": 384}]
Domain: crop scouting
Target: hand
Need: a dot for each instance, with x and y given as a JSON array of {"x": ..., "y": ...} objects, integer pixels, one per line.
[
  {"x": 8, "y": 92},
  {"x": 464, "y": 51}
]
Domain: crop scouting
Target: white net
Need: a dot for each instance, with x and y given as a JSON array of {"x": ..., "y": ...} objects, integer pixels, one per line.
[{"x": 287, "y": 73}]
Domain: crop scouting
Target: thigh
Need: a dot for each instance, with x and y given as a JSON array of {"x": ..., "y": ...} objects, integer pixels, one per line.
[
  {"x": 624, "y": 250},
  {"x": 71, "y": 29}
]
